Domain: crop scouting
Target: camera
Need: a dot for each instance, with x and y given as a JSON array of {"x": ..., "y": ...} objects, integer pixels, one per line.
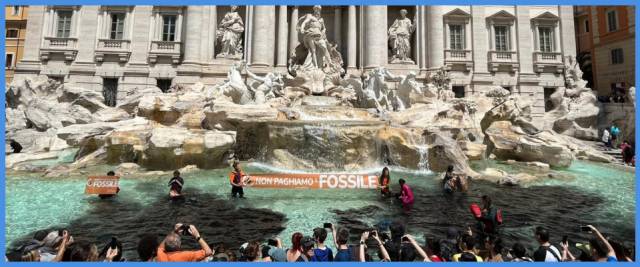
[
  {"x": 114, "y": 243},
  {"x": 585, "y": 228},
  {"x": 184, "y": 229},
  {"x": 327, "y": 225},
  {"x": 272, "y": 242}
]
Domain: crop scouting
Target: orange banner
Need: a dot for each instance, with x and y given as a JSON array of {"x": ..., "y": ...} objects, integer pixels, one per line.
[
  {"x": 102, "y": 185},
  {"x": 311, "y": 181}
]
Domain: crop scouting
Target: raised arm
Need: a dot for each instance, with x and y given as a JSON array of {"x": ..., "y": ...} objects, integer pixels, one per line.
[
  {"x": 363, "y": 238},
  {"x": 419, "y": 249},
  {"x": 335, "y": 236},
  {"x": 597, "y": 233},
  {"x": 383, "y": 250}
]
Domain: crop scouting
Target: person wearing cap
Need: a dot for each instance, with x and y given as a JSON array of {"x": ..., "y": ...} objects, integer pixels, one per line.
[{"x": 170, "y": 249}]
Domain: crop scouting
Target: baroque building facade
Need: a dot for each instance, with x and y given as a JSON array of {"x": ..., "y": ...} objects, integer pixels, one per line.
[
  {"x": 15, "y": 32},
  {"x": 121, "y": 48}
]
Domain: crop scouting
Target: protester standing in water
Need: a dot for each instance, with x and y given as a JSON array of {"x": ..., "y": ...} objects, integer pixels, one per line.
[
  {"x": 448, "y": 181},
  {"x": 406, "y": 196},
  {"x": 103, "y": 196},
  {"x": 385, "y": 180},
  {"x": 236, "y": 181},
  {"x": 176, "y": 183}
]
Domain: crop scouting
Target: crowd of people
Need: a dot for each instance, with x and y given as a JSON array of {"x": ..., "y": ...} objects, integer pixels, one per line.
[
  {"x": 385, "y": 242},
  {"x": 377, "y": 244},
  {"x": 611, "y": 139}
]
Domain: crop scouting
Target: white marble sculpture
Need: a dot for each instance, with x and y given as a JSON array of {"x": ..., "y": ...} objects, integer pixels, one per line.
[
  {"x": 230, "y": 32},
  {"x": 234, "y": 87},
  {"x": 375, "y": 92},
  {"x": 315, "y": 59},
  {"x": 407, "y": 84},
  {"x": 400, "y": 39},
  {"x": 270, "y": 86}
]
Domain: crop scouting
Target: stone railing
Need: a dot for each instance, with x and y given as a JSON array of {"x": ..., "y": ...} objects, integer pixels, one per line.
[
  {"x": 112, "y": 44},
  {"x": 118, "y": 48},
  {"x": 507, "y": 60},
  {"x": 458, "y": 58},
  {"x": 165, "y": 48},
  {"x": 457, "y": 55},
  {"x": 548, "y": 62},
  {"x": 59, "y": 45},
  {"x": 547, "y": 56}
]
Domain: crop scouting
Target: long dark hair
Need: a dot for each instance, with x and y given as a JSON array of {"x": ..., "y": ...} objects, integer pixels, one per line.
[
  {"x": 384, "y": 170},
  {"x": 296, "y": 243}
]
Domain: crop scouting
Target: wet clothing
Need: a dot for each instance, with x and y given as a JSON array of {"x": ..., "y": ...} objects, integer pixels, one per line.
[
  {"x": 547, "y": 254},
  {"x": 488, "y": 220},
  {"x": 109, "y": 195},
  {"x": 176, "y": 184},
  {"x": 322, "y": 254},
  {"x": 237, "y": 179},
  {"x": 406, "y": 195},
  {"x": 385, "y": 186},
  {"x": 446, "y": 185}
]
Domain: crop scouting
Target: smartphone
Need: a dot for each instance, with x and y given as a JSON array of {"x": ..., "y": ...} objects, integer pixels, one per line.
[
  {"x": 327, "y": 225},
  {"x": 185, "y": 229},
  {"x": 405, "y": 239},
  {"x": 565, "y": 239},
  {"x": 585, "y": 229},
  {"x": 114, "y": 243},
  {"x": 373, "y": 233},
  {"x": 272, "y": 242}
]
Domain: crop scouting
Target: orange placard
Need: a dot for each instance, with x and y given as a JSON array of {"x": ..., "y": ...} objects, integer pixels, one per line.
[
  {"x": 311, "y": 181},
  {"x": 102, "y": 185}
]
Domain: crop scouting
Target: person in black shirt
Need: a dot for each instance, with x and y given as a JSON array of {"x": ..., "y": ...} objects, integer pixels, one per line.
[{"x": 176, "y": 184}]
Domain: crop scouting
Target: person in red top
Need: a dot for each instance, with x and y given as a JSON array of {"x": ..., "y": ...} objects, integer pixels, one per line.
[
  {"x": 170, "y": 248},
  {"x": 385, "y": 180},
  {"x": 406, "y": 196},
  {"x": 236, "y": 181}
]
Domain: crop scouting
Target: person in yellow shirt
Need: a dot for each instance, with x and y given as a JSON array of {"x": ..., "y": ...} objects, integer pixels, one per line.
[{"x": 469, "y": 251}]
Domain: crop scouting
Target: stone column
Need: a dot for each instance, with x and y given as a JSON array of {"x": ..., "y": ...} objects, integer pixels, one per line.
[
  {"x": 293, "y": 32},
  {"x": 282, "y": 37},
  {"x": 422, "y": 37},
  {"x": 567, "y": 32},
  {"x": 263, "y": 40},
  {"x": 207, "y": 33},
  {"x": 337, "y": 27},
  {"x": 525, "y": 48},
  {"x": 140, "y": 41},
  {"x": 435, "y": 32},
  {"x": 480, "y": 49},
  {"x": 375, "y": 39},
  {"x": 193, "y": 35},
  {"x": 87, "y": 43},
  {"x": 352, "y": 35},
  {"x": 35, "y": 32}
]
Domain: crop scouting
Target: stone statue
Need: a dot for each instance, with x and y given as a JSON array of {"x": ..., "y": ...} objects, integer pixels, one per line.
[
  {"x": 315, "y": 60},
  {"x": 230, "y": 31},
  {"x": 271, "y": 86},
  {"x": 400, "y": 39},
  {"x": 235, "y": 87},
  {"x": 314, "y": 38},
  {"x": 375, "y": 93},
  {"x": 407, "y": 84},
  {"x": 573, "y": 78}
]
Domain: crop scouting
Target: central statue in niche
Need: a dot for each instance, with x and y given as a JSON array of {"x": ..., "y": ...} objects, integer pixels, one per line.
[
  {"x": 400, "y": 39},
  {"x": 315, "y": 61},
  {"x": 230, "y": 35}
]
